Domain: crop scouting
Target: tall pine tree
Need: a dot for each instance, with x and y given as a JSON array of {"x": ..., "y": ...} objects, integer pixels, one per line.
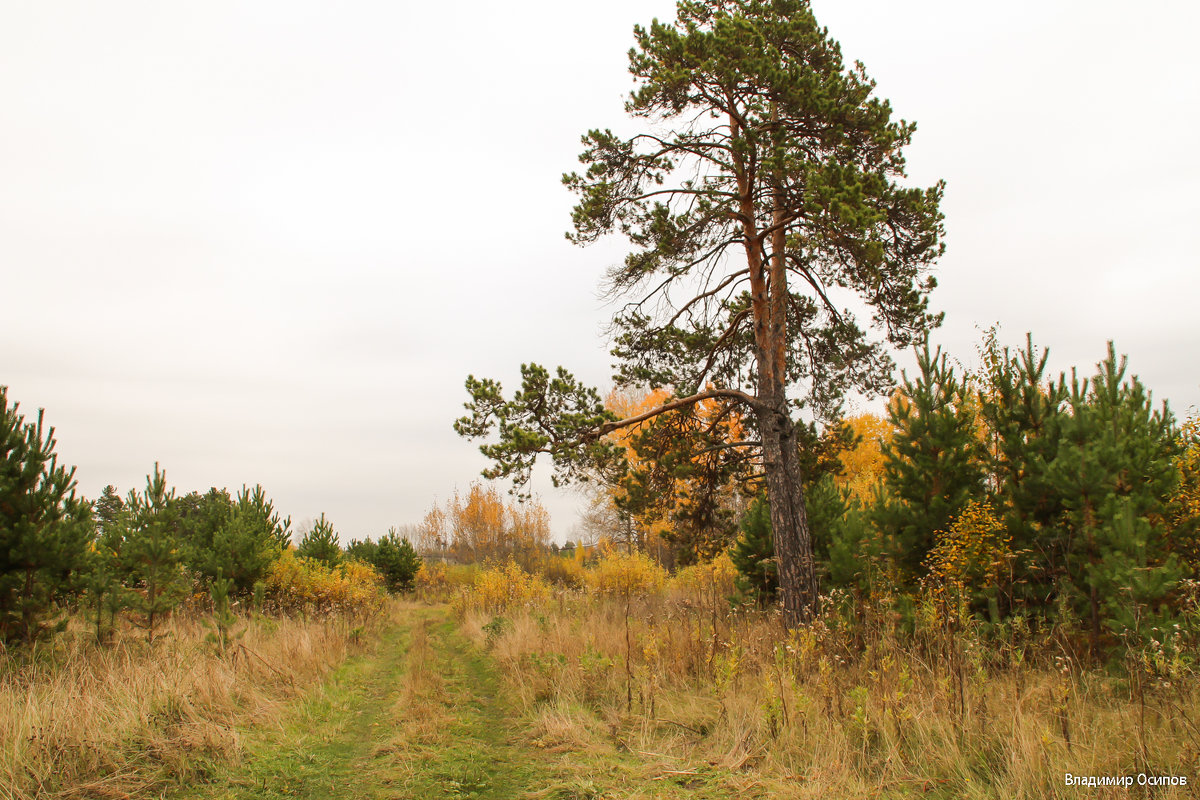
[{"x": 764, "y": 201}]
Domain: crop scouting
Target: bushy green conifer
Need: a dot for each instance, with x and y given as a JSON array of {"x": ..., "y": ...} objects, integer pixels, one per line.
[
  {"x": 363, "y": 550},
  {"x": 235, "y": 538},
  {"x": 1023, "y": 413},
  {"x": 397, "y": 561},
  {"x": 855, "y": 555},
  {"x": 753, "y": 554},
  {"x": 152, "y": 552},
  {"x": 321, "y": 543},
  {"x": 105, "y": 574},
  {"x": 44, "y": 527},
  {"x": 933, "y": 465},
  {"x": 1113, "y": 472},
  {"x": 223, "y": 619}
]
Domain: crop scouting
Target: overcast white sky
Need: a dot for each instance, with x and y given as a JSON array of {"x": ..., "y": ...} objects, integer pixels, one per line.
[{"x": 265, "y": 242}]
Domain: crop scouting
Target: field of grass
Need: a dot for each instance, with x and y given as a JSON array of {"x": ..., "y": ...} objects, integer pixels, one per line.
[
  {"x": 585, "y": 695},
  {"x": 419, "y": 717},
  {"x": 428, "y": 715},
  {"x": 858, "y": 711},
  {"x": 125, "y": 719}
]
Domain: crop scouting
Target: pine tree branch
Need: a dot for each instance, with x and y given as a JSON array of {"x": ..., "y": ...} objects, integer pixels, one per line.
[
  {"x": 683, "y": 402},
  {"x": 716, "y": 348},
  {"x": 705, "y": 295}
]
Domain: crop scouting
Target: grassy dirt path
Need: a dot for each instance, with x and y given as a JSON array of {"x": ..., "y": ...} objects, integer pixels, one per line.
[
  {"x": 423, "y": 716},
  {"x": 420, "y": 717}
]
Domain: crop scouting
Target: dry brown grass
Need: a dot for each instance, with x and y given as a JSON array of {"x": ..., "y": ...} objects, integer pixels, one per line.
[
  {"x": 81, "y": 720},
  {"x": 835, "y": 710},
  {"x": 420, "y": 711}
]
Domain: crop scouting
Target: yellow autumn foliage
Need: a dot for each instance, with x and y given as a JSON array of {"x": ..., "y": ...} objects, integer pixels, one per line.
[
  {"x": 1186, "y": 497},
  {"x": 502, "y": 587},
  {"x": 562, "y": 571},
  {"x": 708, "y": 581},
  {"x": 303, "y": 585},
  {"x": 432, "y": 580},
  {"x": 862, "y": 465},
  {"x": 971, "y": 555},
  {"x": 480, "y": 525},
  {"x": 625, "y": 574}
]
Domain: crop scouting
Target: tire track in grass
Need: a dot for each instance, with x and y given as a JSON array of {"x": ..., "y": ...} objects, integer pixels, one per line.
[
  {"x": 424, "y": 717},
  {"x": 318, "y": 749},
  {"x": 420, "y": 717},
  {"x": 456, "y": 737}
]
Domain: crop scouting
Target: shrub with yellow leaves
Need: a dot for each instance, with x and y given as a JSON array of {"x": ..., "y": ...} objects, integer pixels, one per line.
[
  {"x": 498, "y": 588},
  {"x": 432, "y": 581},
  {"x": 303, "y": 585},
  {"x": 1185, "y": 497},
  {"x": 707, "y": 582},
  {"x": 625, "y": 574},
  {"x": 561, "y": 571},
  {"x": 968, "y": 559}
]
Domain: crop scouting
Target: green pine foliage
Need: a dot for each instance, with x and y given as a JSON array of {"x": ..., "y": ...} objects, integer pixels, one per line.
[
  {"x": 320, "y": 543},
  {"x": 856, "y": 557},
  {"x": 223, "y": 620},
  {"x": 393, "y": 557},
  {"x": 259, "y": 510},
  {"x": 108, "y": 511},
  {"x": 200, "y": 517},
  {"x": 753, "y": 555},
  {"x": 1134, "y": 577},
  {"x": 826, "y": 505},
  {"x": 152, "y": 552},
  {"x": 235, "y": 538},
  {"x": 104, "y": 572},
  {"x": 933, "y": 465},
  {"x": 397, "y": 561},
  {"x": 837, "y": 525},
  {"x": 364, "y": 550},
  {"x": 242, "y": 550},
  {"x": 109, "y": 575},
  {"x": 1024, "y": 414},
  {"x": 44, "y": 527},
  {"x": 1113, "y": 472}
]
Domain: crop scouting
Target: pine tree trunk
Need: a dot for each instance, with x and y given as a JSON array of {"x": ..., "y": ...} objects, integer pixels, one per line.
[
  {"x": 789, "y": 519},
  {"x": 28, "y": 618}
]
